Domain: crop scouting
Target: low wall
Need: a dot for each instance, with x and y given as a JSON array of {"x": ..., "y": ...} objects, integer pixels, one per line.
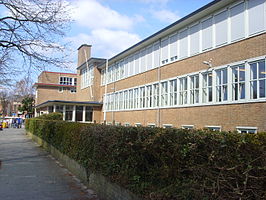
[{"x": 104, "y": 188}]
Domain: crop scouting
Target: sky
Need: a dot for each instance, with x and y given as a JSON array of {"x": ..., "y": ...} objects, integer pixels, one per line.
[{"x": 112, "y": 26}]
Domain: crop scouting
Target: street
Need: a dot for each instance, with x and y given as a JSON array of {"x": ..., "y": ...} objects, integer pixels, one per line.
[{"x": 27, "y": 172}]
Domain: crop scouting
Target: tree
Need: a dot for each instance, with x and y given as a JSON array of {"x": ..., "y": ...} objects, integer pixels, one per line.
[
  {"x": 30, "y": 31},
  {"x": 27, "y": 105},
  {"x": 4, "y": 100}
]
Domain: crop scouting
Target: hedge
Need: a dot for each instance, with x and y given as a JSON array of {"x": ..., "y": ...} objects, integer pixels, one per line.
[{"x": 162, "y": 164}]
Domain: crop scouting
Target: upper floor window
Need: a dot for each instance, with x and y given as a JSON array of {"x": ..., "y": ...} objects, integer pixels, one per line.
[
  {"x": 87, "y": 76},
  {"x": 258, "y": 79},
  {"x": 238, "y": 82},
  {"x": 67, "y": 81}
]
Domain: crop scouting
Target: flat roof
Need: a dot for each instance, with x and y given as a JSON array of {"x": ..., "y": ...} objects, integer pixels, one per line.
[{"x": 49, "y": 102}]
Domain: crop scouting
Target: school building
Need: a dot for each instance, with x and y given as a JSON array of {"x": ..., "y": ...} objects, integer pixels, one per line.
[{"x": 207, "y": 70}]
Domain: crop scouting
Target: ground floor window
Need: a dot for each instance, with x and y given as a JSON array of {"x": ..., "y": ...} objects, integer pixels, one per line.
[
  {"x": 59, "y": 108},
  {"x": 246, "y": 129},
  {"x": 50, "y": 109},
  {"x": 79, "y": 113},
  {"x": 69, "y": 113},
  {"x": 88, "y": 114}
]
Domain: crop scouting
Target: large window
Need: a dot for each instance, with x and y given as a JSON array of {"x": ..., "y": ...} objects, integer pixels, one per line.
[
  {"x": 164, "y": 93},
  {"x": 183, "y": 91},
  {"x": 155, "y": 95},
  {"x": 194, "y": 89},
  {"x": 130, "y": 95},
  {"x": 238, "y": 82},
  {"x": 79, "y": 113},
  {"x": 126, "y": 99},
  {"x": 69, "y": 113},
  {"x": 88, "y": 114},
  {"x": 149, "y": 96},
  {"x": 136, "y": 98},
  {"x": 207, "y": 87},
  {"x": 221, "y": 85},
  {"x": 142, "y": 97},
  {"x": 87, "y": 76},
  {"x": 67, "y": 81},
  {"x": 173, "y": 92},
  {"x": 258, "y": 79}
]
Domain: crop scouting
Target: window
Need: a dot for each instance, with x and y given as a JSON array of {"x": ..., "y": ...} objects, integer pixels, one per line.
[
  {"x": 167, "y": 126},
  {"x": 116, "y": 101},
  {"x": 149, "y": 58},
  {"x": 138, "y": 124},
  {"x": 137, "y": 64},
  {"x": 148, "y": 96},
  {"x": 59, "y": 108},
  {"x": 183, "y": 91},
  {"x": 79, "y": 113},
  {"x": 241, "y": 129},
  {"x": 238, "y": 82},
  {"x": 73, "y": 90},
  {"x": 67, "y": 81},
  {"x": 207, "y": 34},
  {"x": 155, "y": 95},
  {"x": 173, "y": 47},
  {"x": 237, "y": 22},
  {"x": 183, "y": 49},
  {"x": 69, "y": 113},
  {"x": 122, "y": 70},
  {"x": 164, "y": 93},
  {"x": 221, "y": 85},
  {"x": 121, "y": 101},
  {"x": 214, "y": 128},
  {"x": 194, "y": 39},
  {"x": 88, "y": 114},
  {"x": 151, "y": 125},
  {"x": 130, "y": 96},
  {"x": 142, "y": 97},
  {"x": 126, "y": 99},
  {"x": 143, "y": 61},
  {"x": 187, "y": 126},
  {"x": 258, "y": 79},
  {"x": 156, "y": 57},
  {"x": 164, "y": 47},
  {"x": 221, "y": 28},
  {"x": 87, "y": 76},
  {"x": 60, "y": 90},
  {"x": 50, "y": 109},
  {"x": 173, "y": 92},
  {"x": 126, "y": 124},
  {"x": 255, "y": 12},
  {"x": 194, "y": 89},
  {"x": 136, "y": 98},
  {"x": 207, "y": 87}
]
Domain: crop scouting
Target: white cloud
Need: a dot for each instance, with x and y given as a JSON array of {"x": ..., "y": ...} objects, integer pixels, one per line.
[
  {"x": 105, "y": 43},
  {"x": 93, "y": 15},
  {"x": 165, "y": 15}
]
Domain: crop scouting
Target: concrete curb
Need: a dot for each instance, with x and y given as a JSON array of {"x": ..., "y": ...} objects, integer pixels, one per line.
[{"x": 104, "y": 188}]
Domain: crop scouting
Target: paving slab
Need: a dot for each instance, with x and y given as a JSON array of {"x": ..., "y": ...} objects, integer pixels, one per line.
[{"x": 27, "y": 172}]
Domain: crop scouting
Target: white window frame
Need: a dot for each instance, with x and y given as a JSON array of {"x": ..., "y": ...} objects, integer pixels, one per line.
[{"x": 246, "y": 129}]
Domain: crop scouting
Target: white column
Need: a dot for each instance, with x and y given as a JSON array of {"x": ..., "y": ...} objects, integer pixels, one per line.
[
  {"x": 84, "y": 114},
  {"x": 74, "y": 113},
  {"x": 64, "y": 112},
  {"x": 54, "y": 108}
]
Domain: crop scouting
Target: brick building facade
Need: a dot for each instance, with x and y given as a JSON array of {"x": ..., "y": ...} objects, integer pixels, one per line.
[{"x": 206, "y": 70}]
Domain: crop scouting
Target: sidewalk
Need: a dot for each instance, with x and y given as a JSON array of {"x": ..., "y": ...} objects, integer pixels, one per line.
[{"x": 27, "y": 172}]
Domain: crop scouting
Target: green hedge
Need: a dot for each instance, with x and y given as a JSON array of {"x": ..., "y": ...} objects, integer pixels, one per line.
[{"x": 160, "y": 164}]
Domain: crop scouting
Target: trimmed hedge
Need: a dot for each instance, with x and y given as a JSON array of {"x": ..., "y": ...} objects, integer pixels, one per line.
[
  {"x": 160, "y": 164},
  {"x": 52, "y": 116}
]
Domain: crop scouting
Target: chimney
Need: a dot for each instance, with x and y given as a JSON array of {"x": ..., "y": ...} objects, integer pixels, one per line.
[{"x": 84, "y": 53}]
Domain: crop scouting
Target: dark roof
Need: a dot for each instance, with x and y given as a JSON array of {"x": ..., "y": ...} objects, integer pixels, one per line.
[
  {"x": 93, "y": 60},
  {"x": 70, "y": 102}
]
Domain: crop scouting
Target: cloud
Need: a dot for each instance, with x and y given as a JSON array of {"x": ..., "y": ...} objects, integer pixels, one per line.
[
  {"x": 105, "y": 43},
  {"x": 93, "y": 15},
  {"x": 165, "y": 15}
]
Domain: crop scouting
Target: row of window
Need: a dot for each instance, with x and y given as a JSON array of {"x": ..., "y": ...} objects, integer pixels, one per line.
[
  {"x": 68, "y": 81},
  {"x": 240, "y": 82},
  {"x": 71, "y": 90},
  {"x": 239, "y": 129},
  {"x": 87, "y": 76},
  {"x": 234, "y": 23}
]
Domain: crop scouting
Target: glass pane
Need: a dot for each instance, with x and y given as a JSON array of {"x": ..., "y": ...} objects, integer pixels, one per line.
[
  {"x": 219, "y": 94},
  {"x": 262, "y": 71},
  {"x": 235, "y": 91},
  {"x": 242, "y": 90},
  {"x": 197, "y": 81},
  {"x": 209, "y": 79},
  {"x": 254, "y": 90},
  {"x": 253, "y": 68},
  {"x": 225, "y": 76},
  {"x": 210, "y": 94},
  {"x": 235, "y": 75},
  {"x": 262, "y": 88},
  {"x": 219, "y": 77},
  {"x": 224, "y": 93},
  {"x": 242, "y": 73}
]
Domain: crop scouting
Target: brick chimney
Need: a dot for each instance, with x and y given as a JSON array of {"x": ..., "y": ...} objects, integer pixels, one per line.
[{"x": 84, "y": 53}]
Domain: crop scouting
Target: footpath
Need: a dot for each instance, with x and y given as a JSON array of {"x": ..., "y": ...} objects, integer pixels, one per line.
[{"x": 27, "y": 172}]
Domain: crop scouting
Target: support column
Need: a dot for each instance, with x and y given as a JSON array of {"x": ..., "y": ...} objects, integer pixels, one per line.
[
  {"x": 74, "y": 113},
  {"x": 64, "y": 112},
  {"x": 54, "y": 108},
  {"x": 84, "y": 114}
]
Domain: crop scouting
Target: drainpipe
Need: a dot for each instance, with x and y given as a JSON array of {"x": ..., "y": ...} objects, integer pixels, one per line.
[{"x": 105, "y": 91}]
